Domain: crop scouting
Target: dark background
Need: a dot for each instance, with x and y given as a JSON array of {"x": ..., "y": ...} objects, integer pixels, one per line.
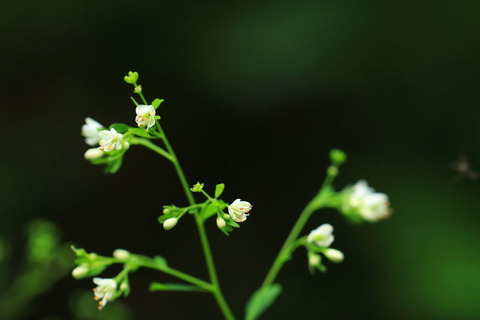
[{"x": 256, "y": 94}]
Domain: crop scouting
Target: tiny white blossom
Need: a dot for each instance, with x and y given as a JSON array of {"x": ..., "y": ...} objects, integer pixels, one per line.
[
  {"x": 372, "y": 206},
  {"x": 110, "y": 140},
  {"x": 238, "y": 210},
  {"x": 322, "y": 236},
  {"x": 90, "y": 131},
  {"x": 104, "y": 291},
  {"x": 145, "y": 116}
]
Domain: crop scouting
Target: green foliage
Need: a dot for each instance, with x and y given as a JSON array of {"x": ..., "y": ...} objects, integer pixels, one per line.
[
  {"x": 120, "y": 127},
  {"x": 261, "y": 300},
  {"x": 219, "y": 189},
  {"x": 157, "y": 102}
]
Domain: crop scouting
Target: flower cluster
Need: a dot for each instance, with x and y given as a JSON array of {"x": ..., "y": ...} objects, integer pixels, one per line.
[
  {"x": 319, "y": 241},
  {"x": 362, "y": 203}
]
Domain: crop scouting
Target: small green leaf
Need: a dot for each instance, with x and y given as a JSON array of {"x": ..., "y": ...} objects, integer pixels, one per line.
[
  {"x": 157, "y": 102},
  {"x": 233, "y": 223},
  {"x": 113, "y": 165},
  {"x": 166, "y": 216},
  {"x": 208, "y": 211},
  {"x": 140, "y": 132},
  {"x": 261, "y": 301},
  {"x": 120, "y": 127},
  {"x": 219, "y": 189},
  {"x": 157, "y": 286}
]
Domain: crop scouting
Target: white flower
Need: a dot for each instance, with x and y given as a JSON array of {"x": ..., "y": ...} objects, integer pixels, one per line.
[
  {"x": 334, "y": 255},
  {"x": 110, "y": 140},
  {"x": 90, "y": 131},
  {"x": 372, "y": 206},
  {"x": 238, "y": 210},
  {"x": 322, "y": 236},
  {"x": 145, "y": 116},
  {"x": 104, "y": 291}
]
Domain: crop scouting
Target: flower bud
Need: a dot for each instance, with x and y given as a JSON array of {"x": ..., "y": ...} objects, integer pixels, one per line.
[
  {"x": 80, "y": 272},
  {"x": 138, "y": 89},
  {"x": 221, "y": 223},
  {"x": 334, "y": 255},
  {"x": 124, "y": 286},
  {"x": 121, "y": 254},
  {"x": 93, "y": 153},
  {"x": 166, "y": 211},
  {"x": 170, "y": 223},
  {"x": 314, "y": 259},
  {"x": 226, "y": 216},
  {"x": 338, "y": 156}
]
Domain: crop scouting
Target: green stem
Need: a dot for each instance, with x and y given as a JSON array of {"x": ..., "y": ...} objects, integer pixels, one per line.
[
  {"x": 178, "y": 274},
  {"x": 152, "y": 146},
  {"x": 201, "y": 230},
  {"x": 320, "y": 200}
]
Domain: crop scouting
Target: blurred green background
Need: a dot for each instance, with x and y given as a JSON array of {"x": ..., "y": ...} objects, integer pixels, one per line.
[{"x": 257, "y": 93}]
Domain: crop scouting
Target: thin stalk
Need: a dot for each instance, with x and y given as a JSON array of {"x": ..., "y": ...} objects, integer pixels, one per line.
[
  {"x": 152, "y": 146},
  {"x": 201, "y": 230},
  {"x": 319, "y": 201}
]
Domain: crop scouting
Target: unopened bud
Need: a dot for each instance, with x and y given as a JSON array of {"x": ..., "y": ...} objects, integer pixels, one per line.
[
  {"x": 338, "y": 156},
  {"x": 334, "y": 255},
  {"x": 80, "y": 272},
  {"x": 138, "y": 89},
  {"x": 221, "y": 223},
  {"x": 123, "y": 286},
  {"x": 226, "y": 216},
  {"x": 166, "y": 211},
  {"x": 170, "y": 223},
  {"x": 121, "y": 254},
  {"x": 314, "y": 259},
  {"x": 93, "y": 153}
]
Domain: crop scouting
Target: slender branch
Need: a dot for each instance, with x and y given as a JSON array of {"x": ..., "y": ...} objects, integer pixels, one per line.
[
  {"x": 152, "y": 146},
  {"x": 201, "y": 230}
]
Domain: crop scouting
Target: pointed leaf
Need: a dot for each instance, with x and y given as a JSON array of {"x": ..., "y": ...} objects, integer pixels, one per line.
[
  {"x": 219, "y": 189},
  {"x": 157, "y": 102},
  {"x": 120, "y": 127},
  {"x": 140, "y": 132},
  {"x": 157, "y": 286},
  {"x": 134, "y": 101},
  {"x": 261, "y": 301}
]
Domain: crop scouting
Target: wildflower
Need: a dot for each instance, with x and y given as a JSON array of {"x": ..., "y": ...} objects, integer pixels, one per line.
[
  {"x": 93, "y": 153},
  {"x": 238, "y": 210},
  {"x": 145, "y": 116},
  {"x": 104, "y": 291},
  {"x": 334, "y": 255},
  {"x": 370, "y": 205},
  {"x": 90, "y": 131},
  {"x": 322, "y": 236},
  {"x": 110, "y": 140},
  {"x": 170, "y": 223}
]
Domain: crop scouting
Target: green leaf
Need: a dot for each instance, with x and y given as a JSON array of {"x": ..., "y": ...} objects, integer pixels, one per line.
[
  {"x": 219, "y": 189},
  {"x": 140, "y": 132},
  {"x": 120, "y": 127},
  {"x": 157, "y": 102},
  {"x": 232, "y": 223},
  {"x": 261, "y": 301},
  {"x": 114, "y": 165},
  {"x": 208, "y": 211},
  {"x": 157, "y": 286},
  {"x": 166, "y": 216}
]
